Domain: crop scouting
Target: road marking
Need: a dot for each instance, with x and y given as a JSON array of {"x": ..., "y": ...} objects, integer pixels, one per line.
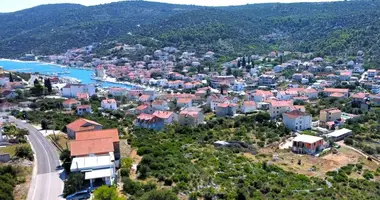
[
  {"x": 35, "y": 169},
  {"x": 47, "y": 155}
]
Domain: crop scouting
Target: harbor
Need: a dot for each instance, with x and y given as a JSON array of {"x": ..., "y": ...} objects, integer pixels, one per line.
[{"x": 72, "y": 75}]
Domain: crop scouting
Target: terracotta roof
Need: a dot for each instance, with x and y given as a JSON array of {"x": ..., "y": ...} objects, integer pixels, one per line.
[
  {"x": 360, "y": 95},
  {"x": 83, "y": 106},
  {"x": 144, "y": 97},
  {"x": 163, "y": 114},
  {"x": 94, "y": 146},
  {"x": 70, "y": 101},
  {"x": 99, "y": 134},
  {"x": 276, "y": 103},
  {"x": 78, "y": 124},
  {"x": 249, "y": 103},
  {"x": 337, "y": 95},
  {"x": 335, "y": 90},
  {"x": 82, "y": 95},
  {"x": 141, "y": 107},
  {"x": 184, "y": 100},
  {"x": 109, "y": 101},
  {"x": 263, "y": 92},
  {"x": 295, "y": 114}
]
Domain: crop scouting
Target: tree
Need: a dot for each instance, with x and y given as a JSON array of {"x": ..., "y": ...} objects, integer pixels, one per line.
[
  {"x": 223, "y": 87},
  {"x": 37, "y": 90},
  {"x": 239, "y": 64},
  {"x": 244, "y": 63},
  {"x": 47, "y": 84},
  {"x": 73, "y": 183},
  {"x": 44, "y": 124},
  {"x": 24, "y": 151},
  {"x": 36, "y": 82},
  {"x": 10, "y": 77},
  {"x": 106, "y": 193},
  {"x": 66, "y": 159},
  {"x": 159, "y": 195},
  {"x": 229, "y": 71}
]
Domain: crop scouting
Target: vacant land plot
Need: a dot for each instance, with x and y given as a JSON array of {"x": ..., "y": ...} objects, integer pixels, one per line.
[{"x": 311, "y": 165}]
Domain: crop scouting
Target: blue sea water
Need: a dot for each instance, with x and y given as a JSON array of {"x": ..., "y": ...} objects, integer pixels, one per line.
[{"x": 48, "y": 69}]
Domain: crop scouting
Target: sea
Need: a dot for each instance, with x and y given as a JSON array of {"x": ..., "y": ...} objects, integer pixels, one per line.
[{"x": 84, "y": 75}]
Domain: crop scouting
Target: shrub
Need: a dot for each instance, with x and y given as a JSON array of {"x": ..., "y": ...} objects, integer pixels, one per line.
[
  {"x": 24, "y": 151},
  {"x": 348, "y": 141},
  {"x": 368, "y": 175}
]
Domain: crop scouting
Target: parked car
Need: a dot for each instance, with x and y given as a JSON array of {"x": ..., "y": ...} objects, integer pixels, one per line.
[{"x": 84, "y": 194}]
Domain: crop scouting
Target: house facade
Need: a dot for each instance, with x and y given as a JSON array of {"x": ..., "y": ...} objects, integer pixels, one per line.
[
  {"x": 297, "y": 120},
  {"x": 70, "y": 90},
  {"x": 109, "y": 104},
  {"x": 307, "y": 144}
]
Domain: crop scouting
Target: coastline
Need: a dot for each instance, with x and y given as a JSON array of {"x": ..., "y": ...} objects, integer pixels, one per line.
[{"x": 46, "y": 63}]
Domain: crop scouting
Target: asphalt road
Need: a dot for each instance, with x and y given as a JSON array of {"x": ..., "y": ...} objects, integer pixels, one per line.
[{"x": 46, "y": 182}]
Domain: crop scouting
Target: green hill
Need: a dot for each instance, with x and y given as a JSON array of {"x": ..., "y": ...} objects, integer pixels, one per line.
[{"x": 337, "y": 28}]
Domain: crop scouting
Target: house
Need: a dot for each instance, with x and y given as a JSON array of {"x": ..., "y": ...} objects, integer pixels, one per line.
[
  {"x": 4, "y": 80},
  {"x": 329, "y": 115},
  {"x": 307, "y": 144},
  {"x": 109, "y": 134},
  {"x": 336, "y": 91},
  {"x": 297, "y": 77},
  {"x": 371, "y": 73},
  {"x": 109, "y": 104},
  {"x": 81, "y": 124},
  {"x": 214, "y": 100},
  {"x": 184, "y": 102},
  {"x": 226, "y": 109},
  {"x": 261, "y": 95},
  {"x": 160, "y": 105},
  {"x": 310, "y": 93},
  {"x": 297, "y": 120},
  {"x": 83, "y": 96},
  {"x": 149, "y": 121},
  {"x": 96, "y": 167},
  {"x": 238, "y": 86},
  {"x": 134, "y": 94},
  {"x": 277, "y": 108},
  {"x": 167, "y": 116},
  {"x": 191, "y": 116},
  {"x": 70, "y": 104},
  {"x": 84, "y": 109},
  {"x": 8, "y": 94},
  {"x": 248, "y": 107},
  {"x": 286, "y": 95},
  {"x": 144, "y": 108},
  {"x": 145, "y": 98},
  {"x": 6, "y": 106},
  {"x": 359, "y": 97},
  {"x": 176, "y": 84},
  {"x": 70, "y": 90},
  {"x": 339, "y": 134},
  {"x": 267, "y": 80},
  {"x": 117, "y": 92},
  {"x": 345, "y": 75},
  {"x": 216, "y": 81}
]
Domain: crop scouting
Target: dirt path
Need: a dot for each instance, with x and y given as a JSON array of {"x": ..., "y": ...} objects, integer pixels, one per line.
[{"x": 341, "y": 143}]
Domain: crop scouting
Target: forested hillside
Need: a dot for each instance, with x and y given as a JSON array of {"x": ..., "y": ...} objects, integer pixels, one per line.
[{"x": 339, "y": 28}]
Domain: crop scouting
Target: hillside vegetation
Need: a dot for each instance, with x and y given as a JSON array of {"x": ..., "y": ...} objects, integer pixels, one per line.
[{"x": 338, "y": 28}]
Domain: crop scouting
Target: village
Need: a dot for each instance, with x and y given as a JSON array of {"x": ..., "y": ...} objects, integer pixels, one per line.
[{"x": 312, "y": 98}]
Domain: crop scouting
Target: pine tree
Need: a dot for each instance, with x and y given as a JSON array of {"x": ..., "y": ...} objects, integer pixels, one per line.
[
  {"x": 47, "y": 84},
  {"x": 36, "y": 82},
  {"x": 239, "y": 64},
  {"x": 10, "y": 77},
  {"x": 229, "y": 71},
  {"x": 244, "y": 62}
]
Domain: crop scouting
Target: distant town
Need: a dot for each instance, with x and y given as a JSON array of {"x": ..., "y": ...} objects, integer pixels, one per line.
[{"x": 316, "y": 104}]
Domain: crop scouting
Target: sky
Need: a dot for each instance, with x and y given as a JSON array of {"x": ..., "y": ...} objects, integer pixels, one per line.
[{"x": 15, "y": 5}]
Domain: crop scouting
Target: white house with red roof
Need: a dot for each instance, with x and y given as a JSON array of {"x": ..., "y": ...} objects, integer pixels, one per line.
[
  {"x": 184, "y": 102},
  {"x": 83, "y": 109},
  {"x": 160, "y": 105},
  {"x": 81, "y": 124},
  {"x": 109, "y": 104},
  {"x": 144, "y": 108},
  {"x": 248, "y": 107},
  {"x": 70, "y": 90},
  {"x": 117, "y": 92},
  {"x": 191, "y": 116},
  {"x": 261, "y": 95},
  {"x": 371, "y": 73},
  {"x": 145, "y": 98},
  {"x": 329, "y": 91},
  {"x": 167, "y": 116},
  {"x": 226, "y": 109},
  {"x": 69, "y": 104},
  {"x": 83, "y": 96},
  {"x": 297, "y": 120},
  {"x": 149, "y": 121},
  {"x": 277, "y": 108}
]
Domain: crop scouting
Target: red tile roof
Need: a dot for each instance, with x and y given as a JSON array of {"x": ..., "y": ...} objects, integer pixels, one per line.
[
  {"x": 93, "y": 146},
  {"x": 163, "y": 114},
  {"x": 70, "y": 101},
  {"x": 84, "y": 106},
  {"x": 184, "y": 100},
  {"x": 99, "y": 134},
  {"x": 337, "y": 95},
  {"x": 141, "y": 107},
  {"x": 335, "y": 90},
  {"x": 360, "y": 95},
  {"x": 276, "y": 103},
  {"x": 249, "y": 103},
  {"x": 78, "y": 124},
  {"x": 295, "y": 114}
]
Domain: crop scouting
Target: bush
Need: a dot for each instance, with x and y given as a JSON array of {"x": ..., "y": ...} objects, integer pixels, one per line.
[
  {"x": 73, "y": 183},
  {"x": 106, "y": 193},
  {"x": 24, "y": 151},
  {"x": 348, "y": 141},
  {"x": 368, "y": 175}
]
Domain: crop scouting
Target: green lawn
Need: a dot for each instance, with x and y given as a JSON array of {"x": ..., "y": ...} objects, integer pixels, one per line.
[{"x": 10, "y": 149}]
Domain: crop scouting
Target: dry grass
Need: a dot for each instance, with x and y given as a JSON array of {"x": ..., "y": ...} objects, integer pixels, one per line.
[
  {"x": 10, "y": 149},
  {"x": 61, "y": 140},
  {"x": 289, "y": 161}
]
